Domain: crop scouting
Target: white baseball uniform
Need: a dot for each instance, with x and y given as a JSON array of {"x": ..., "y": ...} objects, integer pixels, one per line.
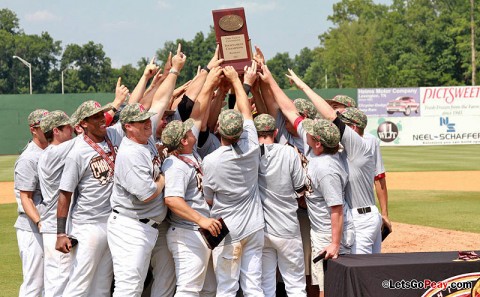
[
  {"x": 231, "y": 181},
  {"x": 190, "y": 253},
  {"x": 57, "y": 264},
  {"x": 280, "y": 175},
  {"x": 358, "y": 157},
  {"x": 132, "y": 226},
  {"x": 88, "y": 174},
  {"x": 30, "y": 243}
]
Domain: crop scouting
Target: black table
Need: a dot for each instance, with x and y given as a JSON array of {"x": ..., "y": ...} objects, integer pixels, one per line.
[{"x": 383, "y": 275}]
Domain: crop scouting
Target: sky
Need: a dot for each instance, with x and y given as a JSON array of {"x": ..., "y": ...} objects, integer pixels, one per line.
[{"x": 130, "y": 30}]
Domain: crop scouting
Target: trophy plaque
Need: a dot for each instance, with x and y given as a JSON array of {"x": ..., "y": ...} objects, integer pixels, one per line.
[{"x": 232, "y": 35}]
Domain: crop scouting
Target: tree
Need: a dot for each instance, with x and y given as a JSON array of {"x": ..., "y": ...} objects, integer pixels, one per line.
[
  {"x": 9, "y": 21},
  {"x": 93, "y": 67},
  {"x": 278, "y": 66}
]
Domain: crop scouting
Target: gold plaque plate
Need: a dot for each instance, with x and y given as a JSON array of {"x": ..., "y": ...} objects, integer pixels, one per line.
[{"x": 231, "y": 22}]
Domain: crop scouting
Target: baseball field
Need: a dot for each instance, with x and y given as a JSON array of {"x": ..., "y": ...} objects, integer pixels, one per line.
[{"x": 434, "y": 202}]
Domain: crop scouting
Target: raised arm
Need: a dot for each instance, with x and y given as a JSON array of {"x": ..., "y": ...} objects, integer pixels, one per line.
[
  {"x": 162, "y": 96},
  {"x": 204, "y": 98},
  {"x": 243, "y": 105},
  {"x": 284, "y": 103},
  {"x": 139, "y": 90},
  {"x": 121, "y": 93},
  {"x": 320, "y": 104}
]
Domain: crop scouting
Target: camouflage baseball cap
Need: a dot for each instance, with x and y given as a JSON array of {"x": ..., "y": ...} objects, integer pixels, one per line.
[
  {"x": 89, "y": 108},
  {"x": 174, "y": 132},
  {"x": 306, "y": 108},
  {"x": 323, "y": 131},
  {"x": 54, "y": 119},
  {"x": 354, "y": 116},
  {"x": 230, "y": 124},
  {"x": 134, "y": 113},
  {"x": 344, "y": 100},
  {"x": 35, "y": 117},
  {"x": 264, "y": 123}
]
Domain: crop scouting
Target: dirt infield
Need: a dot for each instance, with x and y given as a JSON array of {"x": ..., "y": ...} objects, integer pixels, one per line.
[{"x": 404, "y": 238}]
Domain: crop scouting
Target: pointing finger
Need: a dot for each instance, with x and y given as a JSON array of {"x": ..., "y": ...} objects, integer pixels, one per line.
[
  {"x": 119, "y": 82},
  {"x": 179, "y": 49},
  {"x": 153, "y": 60},
  {"x": 216, "y": 51}
]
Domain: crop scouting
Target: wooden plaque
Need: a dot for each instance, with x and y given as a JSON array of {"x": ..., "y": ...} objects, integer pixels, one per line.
[{"x": 232, "y": 35}]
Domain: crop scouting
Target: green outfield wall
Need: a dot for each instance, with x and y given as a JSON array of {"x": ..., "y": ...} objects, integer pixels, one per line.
[{"x": 14, "y": 110}]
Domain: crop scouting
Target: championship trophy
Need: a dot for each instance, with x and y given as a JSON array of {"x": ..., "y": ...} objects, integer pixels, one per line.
[{"x": 232, "y": 35}]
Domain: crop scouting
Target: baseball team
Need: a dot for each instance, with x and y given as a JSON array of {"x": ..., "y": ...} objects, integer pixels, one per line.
[{"x": 126, "y": 196}]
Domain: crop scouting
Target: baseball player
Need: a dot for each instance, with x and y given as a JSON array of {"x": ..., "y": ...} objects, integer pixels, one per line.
[
  {"x": 281, "y": 180},
  {"x": 137, "y": 202},
  {"x": 340, "y": 103},
  {"x": 332, "y": 230},
  {"x": 58, "y": 132},
  {"x": 231, "y": 185},
  {"x": 289, "y": 116},
  {"x": 358, "y": 156},
  {"x": 88, "y": 171},
  {"x": 29, "y": 199},
  {"x": 184, "y": 197}
]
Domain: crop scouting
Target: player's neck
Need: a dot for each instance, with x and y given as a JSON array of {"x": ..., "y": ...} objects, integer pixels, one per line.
[
  {"x": 96, "y": 139},
  {"x": 39, "y": 143}
]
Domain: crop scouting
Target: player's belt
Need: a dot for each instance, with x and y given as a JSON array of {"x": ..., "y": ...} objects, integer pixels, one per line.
[
  {"x": 363, "y": 210},
  {"x": 149, "y": 222}
]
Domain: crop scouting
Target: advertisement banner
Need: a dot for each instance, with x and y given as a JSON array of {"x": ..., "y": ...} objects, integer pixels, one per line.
[
  {"x": 450, "y": 101},
  {"x": 433, "y": 130},
  {"x": 393, "y": 102}
]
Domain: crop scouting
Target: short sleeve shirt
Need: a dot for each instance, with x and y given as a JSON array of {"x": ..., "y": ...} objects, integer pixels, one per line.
[
  {"x": 280, "y": 174},
  {"x": 231, "y": 180},
  {"x": 25, "y": 179},
  {"x": 374, "y": 144},
  {"x": 136, "y": 169},
  {"x": 89, "y": 174},
  {"x": 50, "y": 168},
  {"x": 359, "y": 159}
]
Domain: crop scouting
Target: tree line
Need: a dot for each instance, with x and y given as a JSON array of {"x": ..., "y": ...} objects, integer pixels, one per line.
[{"x": 406, "y": 44}]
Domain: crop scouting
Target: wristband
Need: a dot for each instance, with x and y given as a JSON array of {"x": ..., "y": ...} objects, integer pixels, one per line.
[
  {"x": 61, "y": 235},
  {"x": 247, "y": 88},
  {"x": 61, "y": 225},
  {"x": 114, "y": 109},
  {"x": 173, "y": 71},
  {"x": 206, "y": 69}
]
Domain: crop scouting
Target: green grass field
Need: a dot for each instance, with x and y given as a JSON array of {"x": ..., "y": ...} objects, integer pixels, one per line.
[{"x": 441, "y": 209}]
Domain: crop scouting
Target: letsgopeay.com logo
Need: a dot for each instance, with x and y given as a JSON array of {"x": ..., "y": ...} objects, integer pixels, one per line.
[{"x": 463, "y": 285}]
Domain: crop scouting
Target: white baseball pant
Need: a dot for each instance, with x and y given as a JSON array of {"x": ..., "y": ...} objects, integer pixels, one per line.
[
  {"x": 242, "y": 261},
  {"x": 368, "y": 235},
  {"x": 191, "y": 256},
  {"x": 92, "y": 269},
  {"x": 30, "y": 245},
  {"x": 131, "y": 243},
  {"x": 287, "y": 253},
  {"x": 163, "y": 266},
  {"x": 57, "y": 267}
]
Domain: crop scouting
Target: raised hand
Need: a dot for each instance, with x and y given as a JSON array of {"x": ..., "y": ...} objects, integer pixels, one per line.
[
  {"x": 215, "y": 61},
  {"x": 230, "y": 73},
  {"x": 214, "y": 77},
  {"x": 179, "y": 59},
  {"x": 168, "y": 64},
  {"x": 250, "y": 74},
  {"x": 258, "y": 56},
  {"x": 295, "y": 79},
  {"x": 266, "y": 75},
  {"x": 121, "y": 91},
  {"x": 151, "y": 69}
]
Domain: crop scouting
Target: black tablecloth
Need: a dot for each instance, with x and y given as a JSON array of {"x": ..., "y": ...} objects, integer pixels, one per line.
[{"x": 377, "y": 275}]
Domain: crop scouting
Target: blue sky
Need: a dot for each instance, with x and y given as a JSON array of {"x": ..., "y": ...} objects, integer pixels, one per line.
[{"x": 129, "y": 30}]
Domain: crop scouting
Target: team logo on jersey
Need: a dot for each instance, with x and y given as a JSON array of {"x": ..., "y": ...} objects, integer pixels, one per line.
[{"x": 100, "y": 169}]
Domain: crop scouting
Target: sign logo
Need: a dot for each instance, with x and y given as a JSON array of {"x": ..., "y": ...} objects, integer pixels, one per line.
[
  {"x": 387, "y": 131},
  {"x": 444, "y": 122}
]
